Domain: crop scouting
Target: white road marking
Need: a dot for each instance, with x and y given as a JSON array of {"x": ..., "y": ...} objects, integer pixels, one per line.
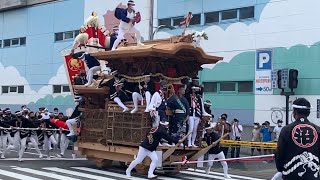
[
  {"x": 41, "y": 173},
  {"x": 234, "y": 176},
  {"x": 76, "y": 173},
  {"x": 202, "y": 175},
  {"x": 16, "y": 175},
  {"x": 105, "y": 172}
]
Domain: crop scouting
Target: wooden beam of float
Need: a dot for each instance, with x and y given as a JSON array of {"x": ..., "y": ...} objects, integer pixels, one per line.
[
  {"x": 157, "y": 56},
  {"x": 172, "y": 149},
  {"x": 205, "y": 150}
]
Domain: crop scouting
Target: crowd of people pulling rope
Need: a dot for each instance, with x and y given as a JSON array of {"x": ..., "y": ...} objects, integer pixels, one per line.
[{"x": 23, "y": 128}]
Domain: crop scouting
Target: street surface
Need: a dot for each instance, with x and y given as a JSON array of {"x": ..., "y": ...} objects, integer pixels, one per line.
[{"x": 81, "y": 169}]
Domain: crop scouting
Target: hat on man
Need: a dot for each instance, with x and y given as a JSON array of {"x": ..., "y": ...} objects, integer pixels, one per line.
[
  {"x": 130, "y": 2},
  {"x": 207, "y": 102},
  {"x": 195, "y": 79},
  {"x": 165, "y": 123},
  {"x": 146, "y": 74},
  {"x": 279, "y": 121}
]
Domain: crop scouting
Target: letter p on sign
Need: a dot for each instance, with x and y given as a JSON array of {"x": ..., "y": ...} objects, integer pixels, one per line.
[{"x": 264, "y": 61}]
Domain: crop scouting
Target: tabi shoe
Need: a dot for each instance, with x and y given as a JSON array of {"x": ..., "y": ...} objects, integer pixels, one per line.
[
  {"x": 208, "y": 169},
  {"x": 134, "y": 110},
  {"x": 194, "y": 146},
  {"x": 152, "y": 176},
  {"x": 140, "y": 44},
  {"x": 2, "y": 156},
  {"x": 227, "y": 176},
  {"x": 40, "y": 156},
  {"x": 128, "y": 174},
  {"x": 70, "y": 134},
  {"x": 74, "y": 156}
]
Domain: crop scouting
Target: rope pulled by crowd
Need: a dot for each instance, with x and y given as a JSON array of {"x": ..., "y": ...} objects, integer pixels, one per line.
[
  {"x": 34, "y": 129},
  {"x": 240, "y": 159}
]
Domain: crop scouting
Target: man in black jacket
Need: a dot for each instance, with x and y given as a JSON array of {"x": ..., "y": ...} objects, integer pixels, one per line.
[
  {"x": 92, "y": 63},
  {"x": 215, "y": 152},
  {"x": 143, "y": 89},
  {"x": 298, "y": 148},
  {"x": 148, "y": 148}
]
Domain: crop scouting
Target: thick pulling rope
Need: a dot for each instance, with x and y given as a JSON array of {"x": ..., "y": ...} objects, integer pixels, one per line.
[
  {"x": 241, "y": 159},
  {"x": 33, "y": 129}
]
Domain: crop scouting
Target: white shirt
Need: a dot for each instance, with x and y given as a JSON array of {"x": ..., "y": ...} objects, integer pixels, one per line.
[
  {"x": 125, "y": 25},
  {"x": 155, "y": 102},
  {"x": 235, "y": 130},
  {"x": 277, "y": 130}
]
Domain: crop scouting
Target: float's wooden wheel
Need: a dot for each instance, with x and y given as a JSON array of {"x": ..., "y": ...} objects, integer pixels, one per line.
[
  {"x": 141, "y": 169},
  {"x": 102, "y": 163},
  {"x": 123, "y": 164}
]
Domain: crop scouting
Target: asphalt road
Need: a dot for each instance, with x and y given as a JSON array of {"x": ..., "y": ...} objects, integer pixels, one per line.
[{"x": 33, "y": 168}]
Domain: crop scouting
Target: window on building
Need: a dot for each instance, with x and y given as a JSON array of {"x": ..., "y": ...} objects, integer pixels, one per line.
[
  {"x": 0, "y": 43},
  {"x": 245, "y": 86},
  {"x": 196, "y": 19},
  {"x": 15, "y": 42},
  {"x": 20, "y": 89},
  {"x": 68, "y": 35},
  {"x": 229, "y": 14},
  {"x": 58, "y": 37},
  {"x": 23, "y": 41},
  {"x": 246, "y": 12},
  {"x": 166, "y": 21},
  {"x": 12, "y": 89},
  {"x": 210, "y": 87},
  {"x": 228, "y": 86},
  {"x": 65, "y": 89},
  {"x": 76, "y": 33},
  {"x": 212, "y": 17},
  {"x": 6, "y": 43},
  {"x": 56, "y": 88},
  {"x": 177, "y": 20},
  {"x": 5, "y": 89}
]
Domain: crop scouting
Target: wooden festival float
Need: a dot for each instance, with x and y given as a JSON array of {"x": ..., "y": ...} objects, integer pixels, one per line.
[{"x": 108, "y": 134}]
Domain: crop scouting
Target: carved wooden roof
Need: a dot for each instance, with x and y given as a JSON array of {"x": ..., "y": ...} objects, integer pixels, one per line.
[{"x": 157, "y": 56}]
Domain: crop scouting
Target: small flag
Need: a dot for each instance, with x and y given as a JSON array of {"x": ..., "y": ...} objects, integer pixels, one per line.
[{"x": 186, "y": 20}]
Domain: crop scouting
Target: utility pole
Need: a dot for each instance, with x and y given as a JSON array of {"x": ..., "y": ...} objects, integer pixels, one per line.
[{"x": 151, "y": 10}]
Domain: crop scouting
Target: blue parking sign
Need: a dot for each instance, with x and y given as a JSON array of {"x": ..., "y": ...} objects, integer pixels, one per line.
[{"x": 264, "y": 60}]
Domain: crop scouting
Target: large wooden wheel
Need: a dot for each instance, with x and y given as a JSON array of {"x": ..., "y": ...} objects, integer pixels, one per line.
[
  {"x": 102, "y": 163},
  {"x": 142, "y": 169}
]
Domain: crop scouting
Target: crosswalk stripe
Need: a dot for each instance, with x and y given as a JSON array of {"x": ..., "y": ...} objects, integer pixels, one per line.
[
  {"x": 105, "y": 173},
  {"x": 234, "y": 176},
  {"x": 41, "y": 173},
  {"x": 202, "y": 175},
  {"x": 75, "y": 173},
  {"x": 16, "y": 175}
]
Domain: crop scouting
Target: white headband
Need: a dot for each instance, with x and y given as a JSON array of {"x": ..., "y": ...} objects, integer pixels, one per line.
[{"x": 301, "y": 107}]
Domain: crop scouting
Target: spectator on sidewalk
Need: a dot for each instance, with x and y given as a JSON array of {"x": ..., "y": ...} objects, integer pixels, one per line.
[
  {"x": 277, "y": 130},
  {"x": 266, "y": 132},
  {"x": 256, "y": 137},
  {"x": 236, "y": 135}
]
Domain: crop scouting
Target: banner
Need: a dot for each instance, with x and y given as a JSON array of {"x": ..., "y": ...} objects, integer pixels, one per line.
[
  {"x": 73, "y": 66},
  {"x": 263, "y": 69}
]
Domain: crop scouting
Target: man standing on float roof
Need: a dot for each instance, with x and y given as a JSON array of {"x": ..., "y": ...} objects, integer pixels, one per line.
[
  {"x": 127, "y": 22},
  {"x": 298, "y": 149}
]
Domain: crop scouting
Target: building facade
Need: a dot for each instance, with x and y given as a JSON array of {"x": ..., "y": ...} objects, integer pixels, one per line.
[{"x": 242, "y": 32}]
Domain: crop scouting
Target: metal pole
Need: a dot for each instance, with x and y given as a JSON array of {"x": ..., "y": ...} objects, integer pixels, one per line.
[
  {"x": 151, "y": 34},
  {"x": 287, "y": 108}
]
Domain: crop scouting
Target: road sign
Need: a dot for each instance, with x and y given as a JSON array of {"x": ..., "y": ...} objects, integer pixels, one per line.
[
  {"x": 285, "y": 78},
  {"x": 274, "y": 79}
]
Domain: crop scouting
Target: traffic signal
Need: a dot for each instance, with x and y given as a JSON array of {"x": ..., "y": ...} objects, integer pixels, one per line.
[
  {"x": 293, "y": 78},
  {"x": 279, "y": 79}
]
